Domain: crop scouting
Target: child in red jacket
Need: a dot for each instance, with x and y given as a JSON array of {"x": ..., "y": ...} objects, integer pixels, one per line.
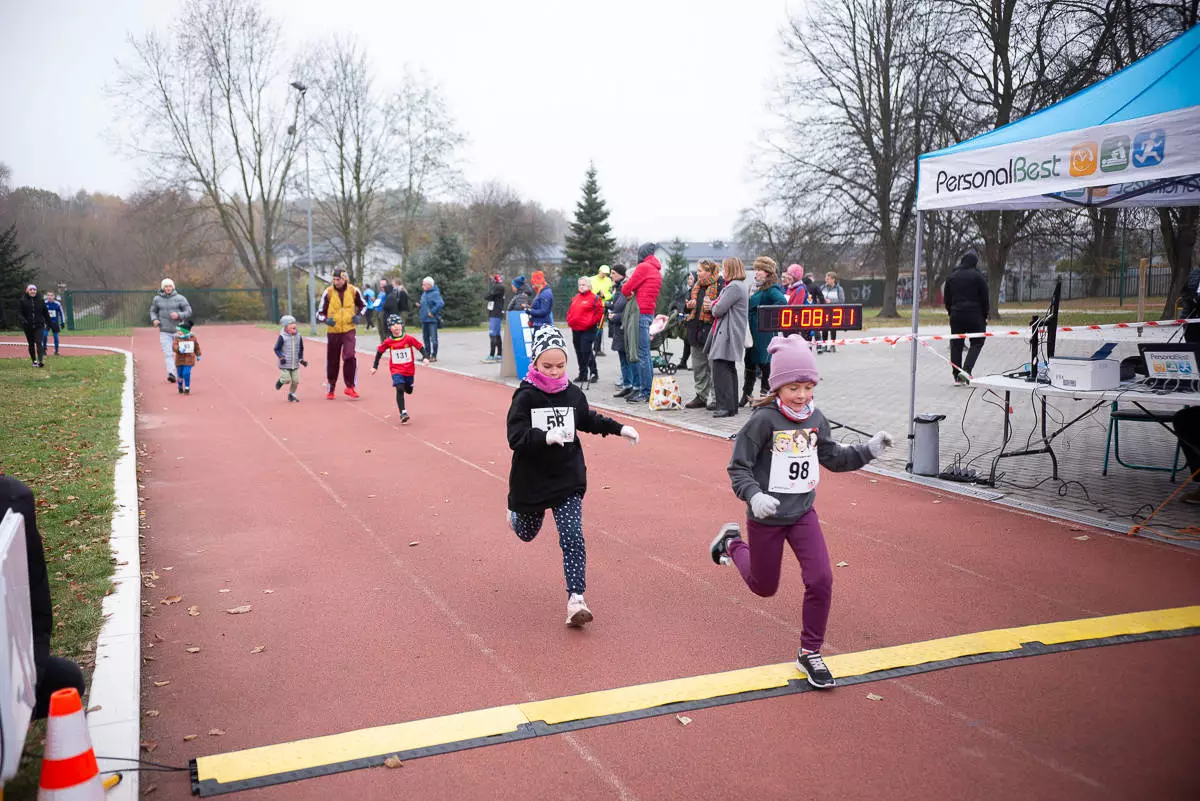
[
  {"x": 402, "y": 361},
  {"x": 583, "y": 316}
]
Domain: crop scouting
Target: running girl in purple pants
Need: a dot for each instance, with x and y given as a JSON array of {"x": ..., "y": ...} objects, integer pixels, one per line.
[{"x": 775, "y": 469}]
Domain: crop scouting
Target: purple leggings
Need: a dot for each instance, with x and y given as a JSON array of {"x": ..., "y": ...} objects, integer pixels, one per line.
[{"x": 760, "y": 560}]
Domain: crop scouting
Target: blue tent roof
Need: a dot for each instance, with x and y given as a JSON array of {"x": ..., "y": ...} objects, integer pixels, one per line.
[{"x": 1166, "y": 80}]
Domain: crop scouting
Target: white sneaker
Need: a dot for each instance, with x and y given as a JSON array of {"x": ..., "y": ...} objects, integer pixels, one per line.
[{"x": 578, "y": 613}]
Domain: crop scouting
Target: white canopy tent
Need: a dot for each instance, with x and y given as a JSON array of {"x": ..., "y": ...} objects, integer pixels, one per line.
[{"x": 1132, "y": 139}]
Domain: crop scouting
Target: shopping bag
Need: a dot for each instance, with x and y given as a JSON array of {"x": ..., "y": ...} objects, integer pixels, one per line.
[{"x": 664, "y": 394}]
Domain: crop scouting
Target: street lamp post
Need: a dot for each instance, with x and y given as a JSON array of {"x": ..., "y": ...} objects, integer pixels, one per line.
[{"x": 312, "y": 273}]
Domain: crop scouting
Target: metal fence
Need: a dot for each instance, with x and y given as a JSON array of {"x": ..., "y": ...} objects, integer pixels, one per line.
[
  {"x": 1019, "y": 288},
  {"x": 93, "y": 309}
]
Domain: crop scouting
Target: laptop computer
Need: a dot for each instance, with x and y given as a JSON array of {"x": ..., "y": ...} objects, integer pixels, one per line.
[{"x": 1171, "y": 365}]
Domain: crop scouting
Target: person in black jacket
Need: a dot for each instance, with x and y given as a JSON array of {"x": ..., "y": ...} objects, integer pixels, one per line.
[
  {"x": 966, "y": 297},
  {"x": 395, "y": 302},
  {"x": 35, "y": 319},
  {"x": 495, "y": 309},
  {"x": 53, "y": 672},
  {"x": 547, "y": 469}
]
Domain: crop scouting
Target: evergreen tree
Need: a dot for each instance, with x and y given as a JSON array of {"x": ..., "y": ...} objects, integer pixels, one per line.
[
  {"x": 674, "y": 276},
  {"x": 446, "y": 263},
  {"x": 590, "y": 242},
  {"x": 15, "y": 275}
]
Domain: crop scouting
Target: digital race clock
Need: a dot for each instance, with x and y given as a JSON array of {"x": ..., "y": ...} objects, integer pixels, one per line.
[{"x": 795, "y": 319}]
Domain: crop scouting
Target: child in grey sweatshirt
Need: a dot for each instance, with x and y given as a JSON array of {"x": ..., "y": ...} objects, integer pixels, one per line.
[
  {"x": 775, "y": 469},
  {"x": 289, "y": 348}
]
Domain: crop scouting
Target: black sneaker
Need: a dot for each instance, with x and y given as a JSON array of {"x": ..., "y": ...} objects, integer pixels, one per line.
[
  {"x": 403, "y": 418},
  {"x": 179, "y": 388},
  {"x": 637, "y": 397},
  {"x": 171, "y": 377},
  {"x": 292, "y": 398},
  {"x": 719, "y": 550},
  {"x": 814, "y": 668},
  {"x": 278, "y": 385},
  {"x": 187, "y": 390}
]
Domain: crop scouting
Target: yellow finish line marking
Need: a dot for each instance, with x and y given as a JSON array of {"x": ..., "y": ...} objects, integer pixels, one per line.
[{"x": 332, "y": 749}]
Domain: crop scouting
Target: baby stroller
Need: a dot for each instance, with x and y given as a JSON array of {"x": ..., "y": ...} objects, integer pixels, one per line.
[{"x": 662, "y": 329}]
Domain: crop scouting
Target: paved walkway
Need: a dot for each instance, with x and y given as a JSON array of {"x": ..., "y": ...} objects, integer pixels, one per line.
[
  {"x": 866, "y": 388},
  {"x": 382, "y": 587}
]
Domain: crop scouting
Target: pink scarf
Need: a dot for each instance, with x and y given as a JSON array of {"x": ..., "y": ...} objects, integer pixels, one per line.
[
  {"x": 792, "y": 414},
  {"x": 545, "y": 383}
]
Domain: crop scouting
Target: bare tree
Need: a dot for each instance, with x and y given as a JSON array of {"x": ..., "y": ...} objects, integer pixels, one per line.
[
  {"x": 1004, "y": 60},
  {"x": 503, "y": 230},
  {"x": 355, "y": 138},
  {"x": 854, "y": 105},
  {"x": 210, "y": 110},
  {"x": 789, "y": 235},
  {"x": 427, "y": 144}
]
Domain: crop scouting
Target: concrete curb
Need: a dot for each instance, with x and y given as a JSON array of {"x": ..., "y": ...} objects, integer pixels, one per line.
[{"x": 115, "y": 694}]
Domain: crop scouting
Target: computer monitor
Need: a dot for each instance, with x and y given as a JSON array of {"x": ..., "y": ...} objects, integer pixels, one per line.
[{"x": 1044, "y": 328}]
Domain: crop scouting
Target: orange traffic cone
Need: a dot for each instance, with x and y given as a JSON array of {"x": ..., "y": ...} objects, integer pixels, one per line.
[{"x": 69, "y": 769}]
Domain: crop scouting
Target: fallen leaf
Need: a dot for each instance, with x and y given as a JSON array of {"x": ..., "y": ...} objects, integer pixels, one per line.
[
  {"x": 268, "y": 592},
  {"x": 161, "y": 683},
  {"x": 151, "y": 789},
  {"x": 684, "y": 719},
  {"x": 1082, "y": 538},
  {"x": 258, "y": 649},
  {"x": 368, "y": 450},
  {"x": 193, "y": 611},
  {"x": 224, "y": 589},
  {"x": 215, "y": 732},
  {"x": 393, "y": 762},
  {"x": 149, "y": 745},
  {"x": 95, "y": 708},
  {"x": 874, "y": 697},
  {"x": 874, "y": 481},
  {"x": 193, "y": 650},
  {"x": 370, "y": 496},
  {"x": 161, "y": 638},
  {"x": 937, "y": 501},
  {"x": 239, "y": 610},
  {"x": 187, "y": 738},
  {"x": 168, "y": 568},
  {"x": 842, "y": 564},
  {"x": 414, "y": 543},
  {"x": 171, "y": 599},
  {"x": 152, "y": 713}
]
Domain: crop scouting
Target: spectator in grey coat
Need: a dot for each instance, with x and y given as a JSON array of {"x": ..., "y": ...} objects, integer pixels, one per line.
[
  {"x": 167, "y": 311},
  {"x": 727, "y": 342}
]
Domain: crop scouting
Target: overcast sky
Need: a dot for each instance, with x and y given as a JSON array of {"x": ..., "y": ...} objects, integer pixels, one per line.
[{"x": 667, "y": 97}]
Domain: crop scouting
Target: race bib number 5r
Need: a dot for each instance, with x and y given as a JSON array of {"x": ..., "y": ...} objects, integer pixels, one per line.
[
  {"x": 555, "y": 417},
  {"x": 794, "y": 467}
]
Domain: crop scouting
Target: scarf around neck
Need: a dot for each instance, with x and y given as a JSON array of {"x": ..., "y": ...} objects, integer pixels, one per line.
[
  {"x": 792, "y": 414},
  {"x": 545, "y": 383}
]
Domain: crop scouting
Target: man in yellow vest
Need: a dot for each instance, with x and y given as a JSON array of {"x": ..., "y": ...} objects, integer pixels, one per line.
[
  {"x": 602, "y": 285},
  {"x": 341, "y": 310}
]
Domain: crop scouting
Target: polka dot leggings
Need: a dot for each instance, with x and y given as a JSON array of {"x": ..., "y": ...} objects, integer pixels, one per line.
[{"x": 568, "y": 517}]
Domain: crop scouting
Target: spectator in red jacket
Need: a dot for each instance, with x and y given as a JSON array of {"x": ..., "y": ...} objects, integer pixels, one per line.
[
  {"x": 644, "y": 284},
  {"x": 583, "y": 318}
]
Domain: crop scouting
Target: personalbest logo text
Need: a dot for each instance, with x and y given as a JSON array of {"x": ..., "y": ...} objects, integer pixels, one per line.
[{"x": 1113, "y": 154}]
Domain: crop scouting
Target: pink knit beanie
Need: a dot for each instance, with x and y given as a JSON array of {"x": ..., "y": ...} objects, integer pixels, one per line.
[
  {"x": 795, "y": 271},
  {"x": 792, "y": 361}
]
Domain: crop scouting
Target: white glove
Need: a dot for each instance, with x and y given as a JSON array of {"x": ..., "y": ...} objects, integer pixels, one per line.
[
  {"x": 764, "y": 505},
  {"x": 556, "y": 436},
  {"x": 877, "y": 443},
  {"x": 630, "y": 433}
]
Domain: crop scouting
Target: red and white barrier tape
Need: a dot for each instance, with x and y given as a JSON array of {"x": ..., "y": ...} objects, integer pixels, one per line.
[{"x": 896, "y": 339}]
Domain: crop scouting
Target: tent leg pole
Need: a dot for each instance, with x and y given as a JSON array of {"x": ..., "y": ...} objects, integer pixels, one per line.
[{"x": 912, "y": 359}]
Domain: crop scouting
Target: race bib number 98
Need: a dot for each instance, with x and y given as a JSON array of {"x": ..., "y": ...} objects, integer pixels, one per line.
[
  {"x": 401, "y": 355},
  {"x": 187, "y": 347},
  {"x": 794, "y": 467},
  {"x": 553, "y": 417}
]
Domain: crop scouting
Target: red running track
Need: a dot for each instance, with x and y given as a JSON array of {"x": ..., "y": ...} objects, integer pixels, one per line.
[{"x": 318, "y": 503}]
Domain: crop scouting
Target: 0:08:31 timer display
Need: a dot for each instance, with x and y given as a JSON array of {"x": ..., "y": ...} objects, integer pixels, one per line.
[{"x": 834, "y": 317}]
